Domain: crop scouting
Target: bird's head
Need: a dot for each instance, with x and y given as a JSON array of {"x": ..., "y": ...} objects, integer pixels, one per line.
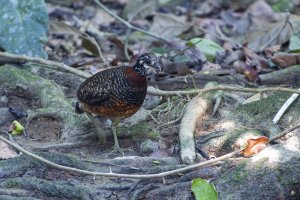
[{"x": 147, "y": 62}]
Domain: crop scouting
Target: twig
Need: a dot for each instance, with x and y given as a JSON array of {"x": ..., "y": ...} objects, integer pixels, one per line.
[
  {"x": 286, "y": 21},
  {"x": 284, "y": 107},
  {"x": 152, "y": 91},
  {"x": 157, "y": 92},
  {"x": 126, "y": 44},
  {"x": 283, "y": 133},
  {"x": 137, "y": 176},
  {"x": 47, "y": 63},
  {"x": 127, "y": 24}
]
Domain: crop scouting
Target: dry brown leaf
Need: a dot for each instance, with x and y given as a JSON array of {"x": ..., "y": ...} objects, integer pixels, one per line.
[
  {"x": 6, "y": 152},
  {"x": 284, "y": 60},
  {"x": 254, "y": 59},
  {"x": 254, "y": 146}
]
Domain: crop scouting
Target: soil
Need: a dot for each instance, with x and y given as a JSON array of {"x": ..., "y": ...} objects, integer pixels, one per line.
[{"x": 44, "y": 129}]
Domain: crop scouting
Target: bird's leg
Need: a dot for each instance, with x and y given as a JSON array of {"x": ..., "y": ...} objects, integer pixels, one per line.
[
  {"x": 117, "y": 147},
  {"x": 99, "y": 131}
]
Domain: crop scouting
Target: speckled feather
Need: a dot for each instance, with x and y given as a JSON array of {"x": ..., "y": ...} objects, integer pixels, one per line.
[{"x": 114, "y": 93}]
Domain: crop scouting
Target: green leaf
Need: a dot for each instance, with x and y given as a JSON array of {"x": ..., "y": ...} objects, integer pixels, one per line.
[
  {"x": 208, "y": 47},
  {"x": 204, "y": 190},
  {"x": 294, "y": 45},
  {"x": 23, "y": 27},
  {"x": 17, "y": 128}
]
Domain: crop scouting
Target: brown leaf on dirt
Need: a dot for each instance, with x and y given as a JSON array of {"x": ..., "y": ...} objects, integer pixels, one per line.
[
  {"x": 6, "y": 152},
  {"x": 254, "y": 146},
  {"x": 284, "y": 60},
  {"x": 168, "y": 26}
]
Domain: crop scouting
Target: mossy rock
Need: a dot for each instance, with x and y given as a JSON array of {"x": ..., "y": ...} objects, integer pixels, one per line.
[{"x": 259, "y": 114}]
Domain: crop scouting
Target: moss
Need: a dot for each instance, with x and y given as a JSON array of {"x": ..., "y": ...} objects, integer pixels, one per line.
[
  {"x": 259, "y": 111},
  {"x": 11, "y": 183},
  {"x": 240, "y": 173},
  {"x": 14, "y": 75},
  {"x": 49, "y": 92},
  {"x": 60, "y": 188}
]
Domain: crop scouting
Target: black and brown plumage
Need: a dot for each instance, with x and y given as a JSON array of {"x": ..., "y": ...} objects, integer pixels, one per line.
[{"x": 117, "y": 93}]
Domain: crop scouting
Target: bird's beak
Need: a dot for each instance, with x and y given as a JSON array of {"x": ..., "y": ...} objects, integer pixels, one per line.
[{"x": 157, "y": 67}]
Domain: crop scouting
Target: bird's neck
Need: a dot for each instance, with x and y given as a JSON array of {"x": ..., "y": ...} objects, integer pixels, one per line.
[
  {"x": 136, "y": 79},
  {"x": 140, "y": 69}
]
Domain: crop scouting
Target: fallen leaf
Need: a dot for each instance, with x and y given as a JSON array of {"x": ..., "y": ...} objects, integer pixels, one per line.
[
  {"x": 203, "y": 190},
  {"x": 6, "y": 152},
  {"x": 208, "y": 47},
  {"x": 259, "y": 36},
  {"x": 139, "y": 9},
  {"x": 255, "y": 60},
  {"x": 254, "y": 146},
  {"x": 16, "y": 128},
  {"x": 284, "y": 60},
  {"x": 168, "y": 26}
]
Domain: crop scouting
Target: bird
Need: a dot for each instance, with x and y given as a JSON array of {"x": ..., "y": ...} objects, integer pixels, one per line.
[{"x": 116, "y": 93}]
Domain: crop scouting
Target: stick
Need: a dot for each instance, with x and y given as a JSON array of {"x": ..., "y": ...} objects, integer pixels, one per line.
[
  {"x": 47, "y": 63},
  {"x": 138, "y": 176},
  {"x": 135, "y": 176},
  {"x": 283, "y": 133},
  {"x": 284, "y": 107},
  {"x": 152, "y": 91},
  {"x": 195, "y": 108},
  {"x": 157, "y": 92}
]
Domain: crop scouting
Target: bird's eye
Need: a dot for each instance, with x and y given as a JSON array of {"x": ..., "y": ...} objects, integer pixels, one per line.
[{"x": 148, "y": 62}]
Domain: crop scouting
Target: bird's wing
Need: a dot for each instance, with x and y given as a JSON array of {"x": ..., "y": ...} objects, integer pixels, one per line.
[{"x": 96, "y": 91}]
